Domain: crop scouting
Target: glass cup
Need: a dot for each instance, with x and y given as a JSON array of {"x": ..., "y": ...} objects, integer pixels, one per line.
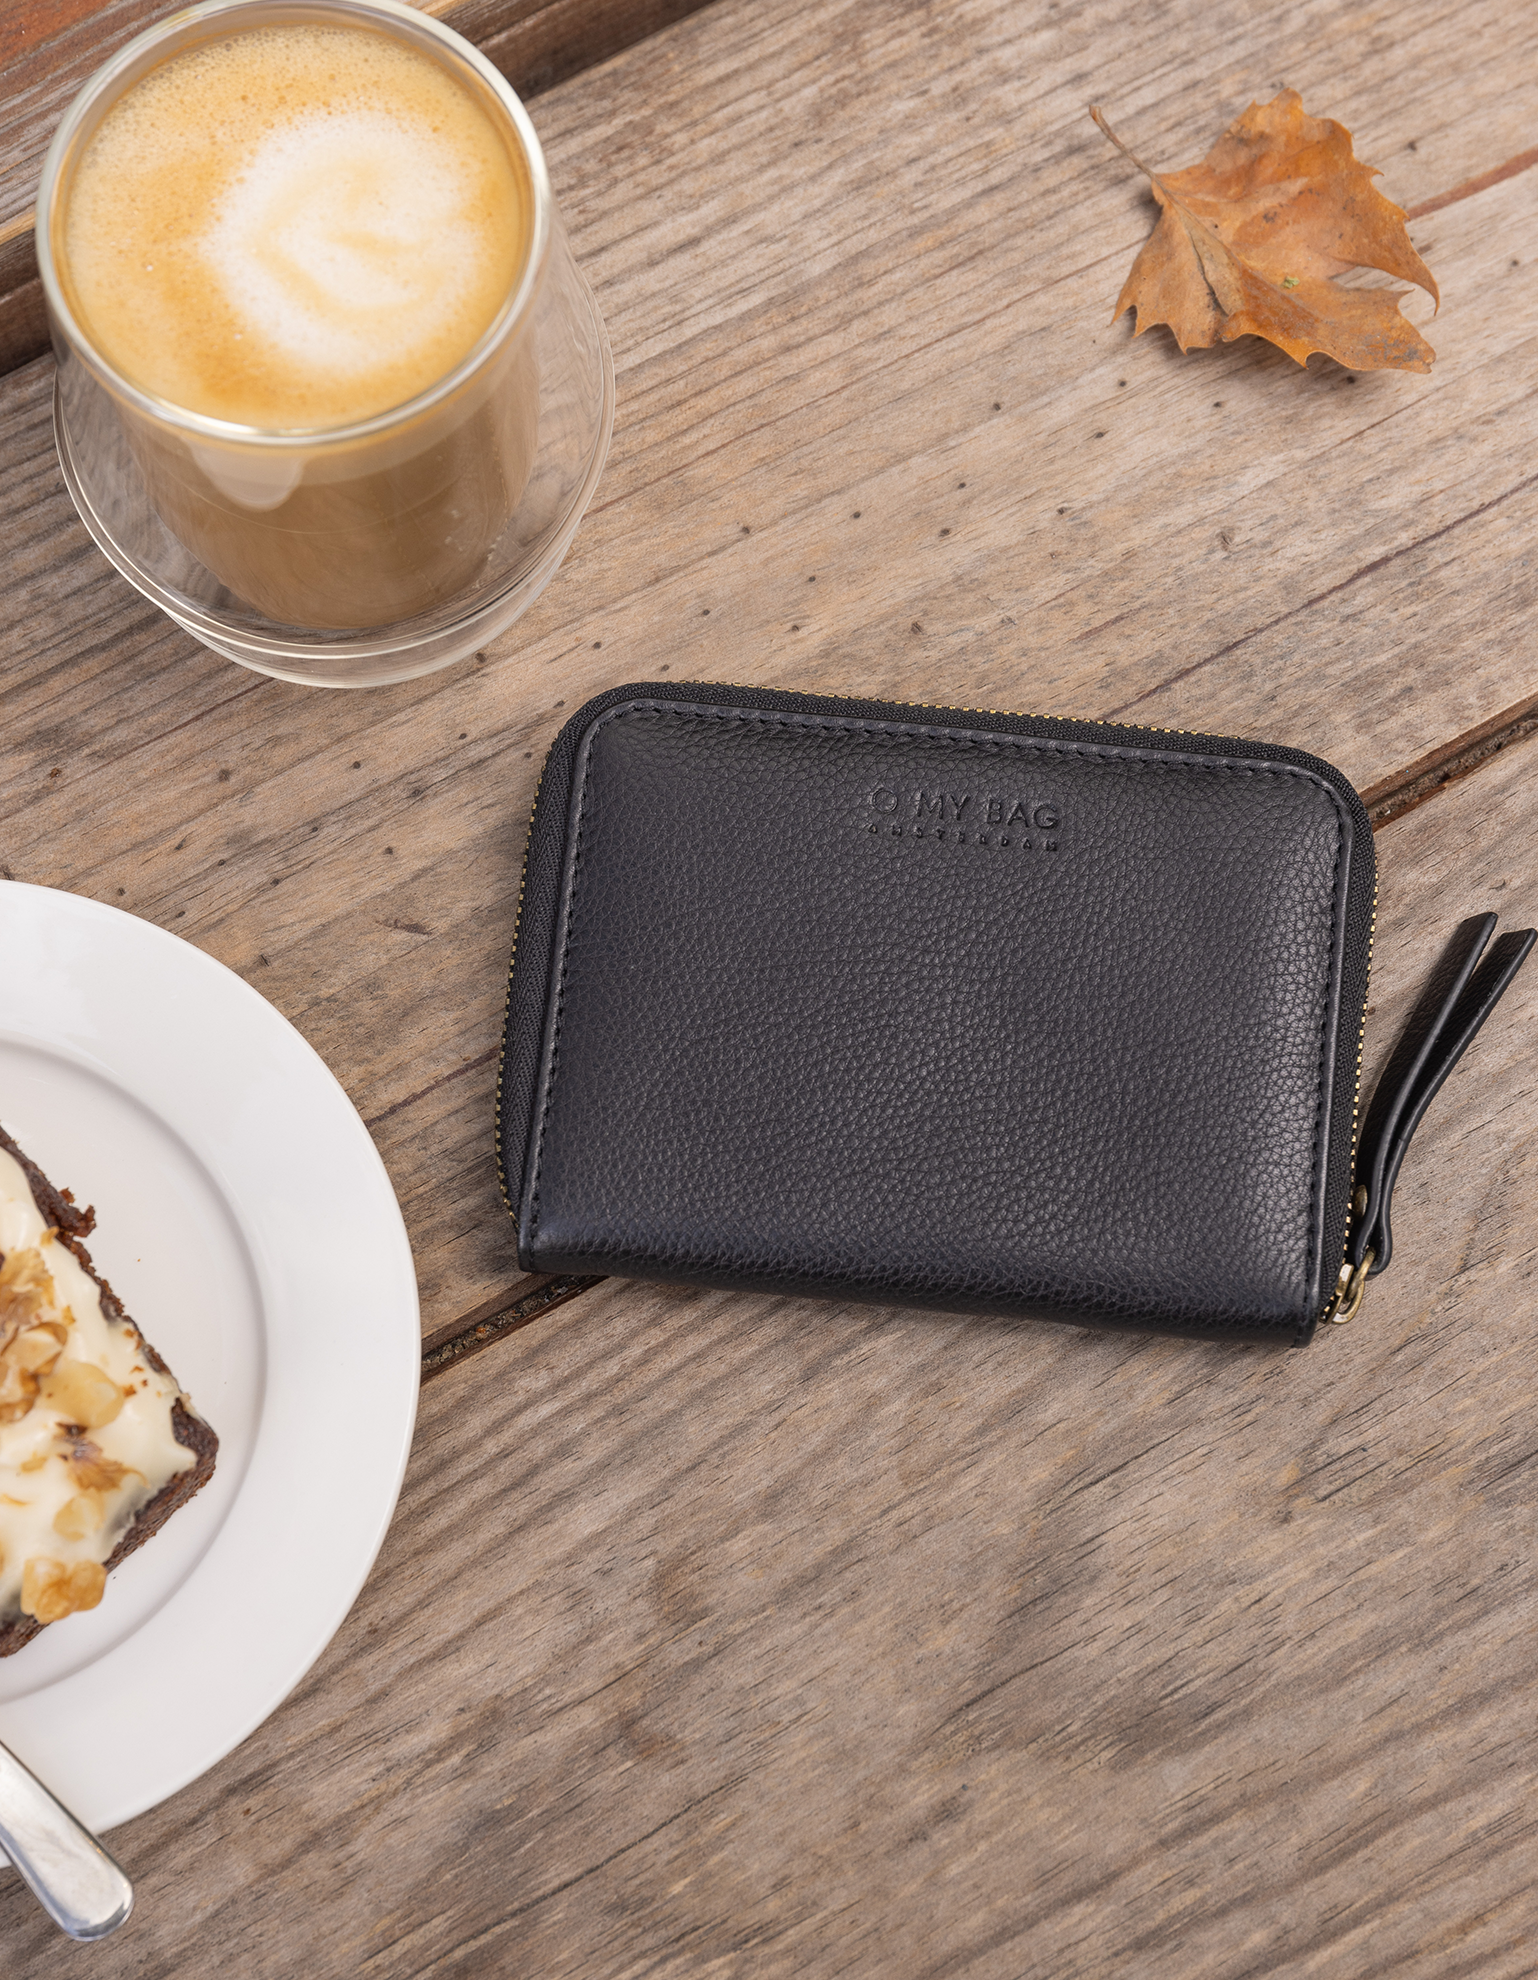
[{"x": 342, "y": 556}]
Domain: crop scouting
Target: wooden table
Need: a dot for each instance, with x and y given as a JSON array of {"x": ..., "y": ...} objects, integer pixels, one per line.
[{"x": 724, "y": 1635}]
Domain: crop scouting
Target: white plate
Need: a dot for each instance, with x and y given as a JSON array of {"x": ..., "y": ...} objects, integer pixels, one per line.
[{"x": 246, "y": 1221}]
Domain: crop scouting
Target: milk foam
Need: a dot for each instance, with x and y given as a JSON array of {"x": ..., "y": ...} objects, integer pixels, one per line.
[
  {"x": 344, "y": 232},
  {"x": 295, "y": 228}
]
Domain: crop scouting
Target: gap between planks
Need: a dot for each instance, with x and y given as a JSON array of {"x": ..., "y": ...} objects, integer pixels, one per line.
[
  {"x": 1390, "y": 799},
  {"x": 1398, "y": 794},
  {"x": 23, "y": 336},
  {"x": 450, "y": 1345}
]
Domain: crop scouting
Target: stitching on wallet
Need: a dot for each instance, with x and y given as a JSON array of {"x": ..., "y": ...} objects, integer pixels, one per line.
[
  {"x": 838, "y": 725},
  {"x": 560, "y": 991},
  {"x": 1318, "y": 1161}
]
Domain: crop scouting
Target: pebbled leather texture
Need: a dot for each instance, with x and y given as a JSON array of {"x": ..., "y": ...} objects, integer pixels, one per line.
[
  {"x": 1457, "y": 999},
  {"x": 939, "y": 1009}
]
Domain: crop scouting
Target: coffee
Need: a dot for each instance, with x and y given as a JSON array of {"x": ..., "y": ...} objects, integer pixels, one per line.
[{"x": 297, "y": 229}]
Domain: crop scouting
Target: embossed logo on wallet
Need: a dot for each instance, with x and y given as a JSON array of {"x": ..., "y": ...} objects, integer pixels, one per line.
[{"x": 965, "y": 818}]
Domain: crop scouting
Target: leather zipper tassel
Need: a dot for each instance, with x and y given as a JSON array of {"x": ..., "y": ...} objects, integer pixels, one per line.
[{"x": 1460, "y": 994}]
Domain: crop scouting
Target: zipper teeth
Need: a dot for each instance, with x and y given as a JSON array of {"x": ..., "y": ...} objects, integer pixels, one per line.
[
  {"x": 1356, "y": 1108},
  {"x": 1098, "y": 722},
  {"x": 953, "y": 708},
  {"x": 1361, "y": 1039},
  {"x": 747, "y": 687},
  {"x": 940, "y": 708},
  {"x": 507, "y": 996},
  {"x": 1152, "y": 729}
]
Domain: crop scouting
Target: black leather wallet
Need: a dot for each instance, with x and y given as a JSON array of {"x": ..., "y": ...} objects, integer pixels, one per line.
[{"x": 949, "y": 1008}]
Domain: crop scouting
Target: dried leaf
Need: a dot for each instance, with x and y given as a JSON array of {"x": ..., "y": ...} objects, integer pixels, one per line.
[{"x": 1249, "y": 241}]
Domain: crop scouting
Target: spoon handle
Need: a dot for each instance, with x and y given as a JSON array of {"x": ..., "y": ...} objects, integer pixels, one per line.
[{"x": 69, "y": 1873}]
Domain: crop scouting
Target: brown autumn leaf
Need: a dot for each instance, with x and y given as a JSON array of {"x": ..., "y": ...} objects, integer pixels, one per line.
[{"x": 1249, "y": 242}]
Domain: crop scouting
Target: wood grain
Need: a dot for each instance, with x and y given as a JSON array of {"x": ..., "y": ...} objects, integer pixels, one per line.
[
  {"x": 23, "y": 316},
  {"x": 828, "y": 243},
  {"x": 723, "y": 1635},
  {"x": 1460, "y": 756},
  {"x": 532, "y": 1299}
]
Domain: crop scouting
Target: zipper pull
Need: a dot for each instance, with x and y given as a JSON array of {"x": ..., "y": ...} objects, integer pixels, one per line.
[
  {"x": 1457, "y": 999},
  {"x": 1351, "y": 1286}
]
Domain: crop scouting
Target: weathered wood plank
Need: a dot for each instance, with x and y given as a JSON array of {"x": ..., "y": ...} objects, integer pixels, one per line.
[
  {"x": 534, "y": 1297},
  {"x": 1460, "y": 756},
  {"x": 744, "y": 1636},
  {"x": 828, "y": 242},
  {"x": 23, "y": 316}
]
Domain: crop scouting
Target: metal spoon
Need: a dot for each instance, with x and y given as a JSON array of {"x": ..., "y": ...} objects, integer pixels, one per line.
[{"x": 69, "y": 1873}]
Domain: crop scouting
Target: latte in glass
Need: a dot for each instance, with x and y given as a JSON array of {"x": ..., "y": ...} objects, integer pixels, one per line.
[{"x": 303, "y": 229}]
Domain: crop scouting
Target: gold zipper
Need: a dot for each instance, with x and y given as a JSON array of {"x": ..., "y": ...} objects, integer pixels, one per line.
[
  {"x": 737, "y": 687},
  {"x": 950, "y": 708},
  {"x": 1350, "y": 1287},
  {"x": 507, "y": 1000},
  {"x": 1350, "y": 1291}
]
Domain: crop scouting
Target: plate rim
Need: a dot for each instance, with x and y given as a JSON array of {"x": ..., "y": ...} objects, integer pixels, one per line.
[{"x": 251, "y": 1689}]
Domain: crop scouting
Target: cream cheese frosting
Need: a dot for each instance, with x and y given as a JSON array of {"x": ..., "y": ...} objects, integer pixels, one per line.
[{"x": 86, "y": 1435}]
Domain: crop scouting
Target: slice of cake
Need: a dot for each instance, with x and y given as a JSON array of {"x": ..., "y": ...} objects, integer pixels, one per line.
[{"x": 98, "y": 1444}]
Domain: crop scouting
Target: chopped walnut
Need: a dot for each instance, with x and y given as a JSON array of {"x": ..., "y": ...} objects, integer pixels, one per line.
[
  {"x": 30, "y": 1341},
  {"x": 91, "y": 1471},
  {"x": 52, "y": 1590},
  {"x": 39, "y": 1347},
  {"x": 26, "y": 1293},
  {"x": 18, "y": 1391},
  {"x": 82, "y": 1393}
]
